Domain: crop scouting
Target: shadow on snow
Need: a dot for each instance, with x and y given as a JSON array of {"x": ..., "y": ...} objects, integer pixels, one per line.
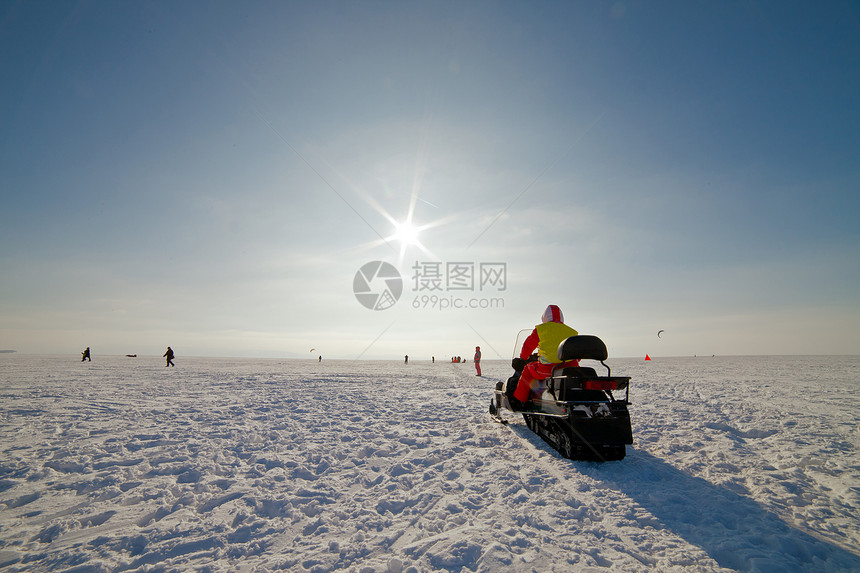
[{"x": 734, "y": 530}]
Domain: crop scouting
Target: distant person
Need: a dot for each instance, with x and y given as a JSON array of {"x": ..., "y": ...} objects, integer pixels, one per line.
[
  {"x": 478, "y": 360},
  {"x": 320, "y": 358},
  {"x": 169, "y": 356},
  {"x": 406, "y": 359},
  {"x": 433, "y": 360},
  {"x": 85, "y": 355},
  {"x": 545, "y": 338}
]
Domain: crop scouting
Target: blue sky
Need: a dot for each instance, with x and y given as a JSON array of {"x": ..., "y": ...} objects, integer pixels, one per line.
[{"x": 211, "y": 176}]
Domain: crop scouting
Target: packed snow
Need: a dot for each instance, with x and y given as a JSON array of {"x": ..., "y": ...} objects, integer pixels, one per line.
[{"x": 122, "y": 464}]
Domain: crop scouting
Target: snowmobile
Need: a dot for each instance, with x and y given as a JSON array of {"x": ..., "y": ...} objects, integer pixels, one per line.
[{"x": 574, "y": 410}]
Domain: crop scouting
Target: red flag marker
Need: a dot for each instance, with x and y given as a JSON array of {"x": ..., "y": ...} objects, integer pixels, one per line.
[{"x": 647, "y": 357}]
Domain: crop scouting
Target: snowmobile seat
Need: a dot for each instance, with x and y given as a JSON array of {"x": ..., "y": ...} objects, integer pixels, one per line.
[{"x": 581, "y": 372}]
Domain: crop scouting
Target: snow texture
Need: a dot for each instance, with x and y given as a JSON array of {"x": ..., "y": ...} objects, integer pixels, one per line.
[{"x": 121, "y": 464}]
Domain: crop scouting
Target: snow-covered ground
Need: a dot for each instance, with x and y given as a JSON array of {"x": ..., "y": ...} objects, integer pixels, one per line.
[{"x": 739, "y": 463}]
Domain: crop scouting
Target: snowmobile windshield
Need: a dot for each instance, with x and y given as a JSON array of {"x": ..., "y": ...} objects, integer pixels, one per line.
[{"x": 521, "y": 338}]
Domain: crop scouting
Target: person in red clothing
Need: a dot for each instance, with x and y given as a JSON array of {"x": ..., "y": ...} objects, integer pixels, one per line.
[
  {"x": 478, "y": 360},
  {"x": 545, "y": 338}
]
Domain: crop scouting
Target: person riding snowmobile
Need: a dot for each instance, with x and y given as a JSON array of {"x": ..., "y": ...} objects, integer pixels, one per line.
[{"x": 545, "y": 338}]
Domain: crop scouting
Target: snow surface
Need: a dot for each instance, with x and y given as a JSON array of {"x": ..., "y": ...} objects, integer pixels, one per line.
[{"x": 739, "y": 463}]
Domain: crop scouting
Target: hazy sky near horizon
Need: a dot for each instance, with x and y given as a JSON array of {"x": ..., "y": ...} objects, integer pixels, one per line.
[{"x": 212, "y": 175}]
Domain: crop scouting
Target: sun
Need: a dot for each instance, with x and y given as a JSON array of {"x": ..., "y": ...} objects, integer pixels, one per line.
[{"x": 406, "y": 233}]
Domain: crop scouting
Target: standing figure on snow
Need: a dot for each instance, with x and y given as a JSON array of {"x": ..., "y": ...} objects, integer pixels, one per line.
[
  {"x": 477, "y": 361},
  {"x": 545, "y": 338},
  {"x": 169, "y": 356},
  {"x": 85, "y": 355},
  {"x": 406, "y": 359}
]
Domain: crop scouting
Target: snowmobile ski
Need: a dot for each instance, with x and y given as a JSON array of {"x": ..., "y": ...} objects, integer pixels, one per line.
[{"x": 494, "y": 414}]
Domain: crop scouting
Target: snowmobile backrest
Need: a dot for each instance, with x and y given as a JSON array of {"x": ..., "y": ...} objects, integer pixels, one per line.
[{"x": 582, "y": 347}]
